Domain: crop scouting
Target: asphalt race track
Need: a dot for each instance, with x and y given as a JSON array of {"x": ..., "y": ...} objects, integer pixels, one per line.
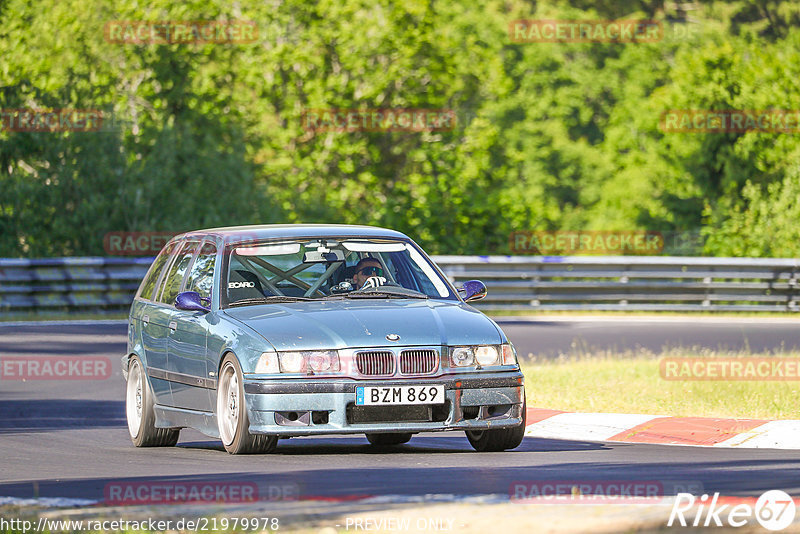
[
  {"x": 69, "y": 439},
  {"x": 551, "y": 336}
]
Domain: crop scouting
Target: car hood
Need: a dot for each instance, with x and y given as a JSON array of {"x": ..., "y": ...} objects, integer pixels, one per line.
[{"x": 366, "y": 323}]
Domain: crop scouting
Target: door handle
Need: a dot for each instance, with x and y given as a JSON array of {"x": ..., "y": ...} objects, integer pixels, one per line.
[
  {"x": 173, "y": 325},
  {"x": 145, "y": 319}
]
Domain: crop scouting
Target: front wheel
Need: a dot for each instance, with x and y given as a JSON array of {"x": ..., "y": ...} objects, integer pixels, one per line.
[
  {"x": 139, "y": 411},
  {"x": 501, "y": 439},
  {"x": 232, "y": 419}
]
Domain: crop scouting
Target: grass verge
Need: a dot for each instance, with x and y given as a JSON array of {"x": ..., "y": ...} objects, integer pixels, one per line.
[{"x": 631, "y": 382}]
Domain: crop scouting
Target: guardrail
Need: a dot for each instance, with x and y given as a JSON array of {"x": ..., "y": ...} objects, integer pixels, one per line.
[
  {"x": 673, "y": 283},
  {"x": 647, "y": 283},
  {"x": 69, "y": 284}
]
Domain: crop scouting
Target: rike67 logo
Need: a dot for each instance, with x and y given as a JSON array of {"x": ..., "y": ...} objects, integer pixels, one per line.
[{"x": 774, "y": 510}]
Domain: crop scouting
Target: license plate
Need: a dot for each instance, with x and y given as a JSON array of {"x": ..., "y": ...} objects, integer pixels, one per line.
[{"x": 376, "y": 395}]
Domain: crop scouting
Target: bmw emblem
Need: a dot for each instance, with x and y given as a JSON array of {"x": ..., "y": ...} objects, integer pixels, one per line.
[{"x": 392, "y": 337}]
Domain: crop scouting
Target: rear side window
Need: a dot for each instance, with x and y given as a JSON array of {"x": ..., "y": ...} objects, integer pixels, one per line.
[
  {"x": 149, "y": 283},
  {"x": 172, "y": 284},
  {"x": 201, "y": 277}
]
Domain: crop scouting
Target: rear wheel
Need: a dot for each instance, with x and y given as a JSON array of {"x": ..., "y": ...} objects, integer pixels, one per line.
[
  {"x": 232, "y": 419},
  {"x": 501, "y": 439},
  {"x": 139, "y": 411},
  {"x": 388, "y": 439}
]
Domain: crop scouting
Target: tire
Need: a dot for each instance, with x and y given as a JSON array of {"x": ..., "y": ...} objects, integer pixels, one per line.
[
  {"x": 384, "y": 440},
  {"x": 501, "y": 439},
  {"x": 232, "y": 420},
  {"x": 139, "y": 411}
]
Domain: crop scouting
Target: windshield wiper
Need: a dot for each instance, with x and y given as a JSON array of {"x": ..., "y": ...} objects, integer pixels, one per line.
[
  {"x": 384, "y": 293},
  {"x": 268, "y": 300}
]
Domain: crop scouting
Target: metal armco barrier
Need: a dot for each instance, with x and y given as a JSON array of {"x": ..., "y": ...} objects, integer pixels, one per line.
[
  {"x": 647, "y": 283},
  {"x": 515, "y": 283},
  {"x": 69, "y": 284}
]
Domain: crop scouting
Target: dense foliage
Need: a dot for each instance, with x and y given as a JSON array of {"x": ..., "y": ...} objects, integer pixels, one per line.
[{"x": 548, "y": 136}]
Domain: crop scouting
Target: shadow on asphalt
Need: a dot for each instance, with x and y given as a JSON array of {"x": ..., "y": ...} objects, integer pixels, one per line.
[
  {"x": 431, "y": 444},
  {"x": 471, "y": 480}
]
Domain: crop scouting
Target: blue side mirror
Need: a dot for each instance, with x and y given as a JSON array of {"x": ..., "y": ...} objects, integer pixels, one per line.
[
  {"x": 473, "y": 290},
  {"x": 190, "y": 301}
]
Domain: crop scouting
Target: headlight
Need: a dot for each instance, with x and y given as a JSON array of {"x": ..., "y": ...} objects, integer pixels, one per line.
[
  {"x": 317, "y": 361},
  {"x": 463, "y": 357},
  {"x": 483, "y": 356},
  {"x": 323, "y": 361},
  {"x": 292, "y": 362},
  {"x": 486, "y": 355}
]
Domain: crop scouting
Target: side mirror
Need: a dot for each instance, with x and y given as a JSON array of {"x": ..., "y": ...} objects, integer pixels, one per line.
[
  {"x": 473, "y": 290},
  {"x": 190, "y": 301}
]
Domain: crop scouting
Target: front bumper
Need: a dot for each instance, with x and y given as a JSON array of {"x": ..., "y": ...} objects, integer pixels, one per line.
[{"x": 300, "y": 407}]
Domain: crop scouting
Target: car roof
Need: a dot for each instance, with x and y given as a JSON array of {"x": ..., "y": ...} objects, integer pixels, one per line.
[{"x": 236, "y": 234}]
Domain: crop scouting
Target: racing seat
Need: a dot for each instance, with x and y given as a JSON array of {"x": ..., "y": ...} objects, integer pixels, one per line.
[
  {"x": 343, "y": 273},
  {"x": 251, "y": 290}
]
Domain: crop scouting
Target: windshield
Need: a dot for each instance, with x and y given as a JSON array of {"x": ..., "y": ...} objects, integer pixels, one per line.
[{"x": 328, "y": 268}]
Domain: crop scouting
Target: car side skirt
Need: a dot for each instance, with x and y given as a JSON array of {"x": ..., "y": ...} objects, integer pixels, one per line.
[{"x": 169, "y": 417}]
